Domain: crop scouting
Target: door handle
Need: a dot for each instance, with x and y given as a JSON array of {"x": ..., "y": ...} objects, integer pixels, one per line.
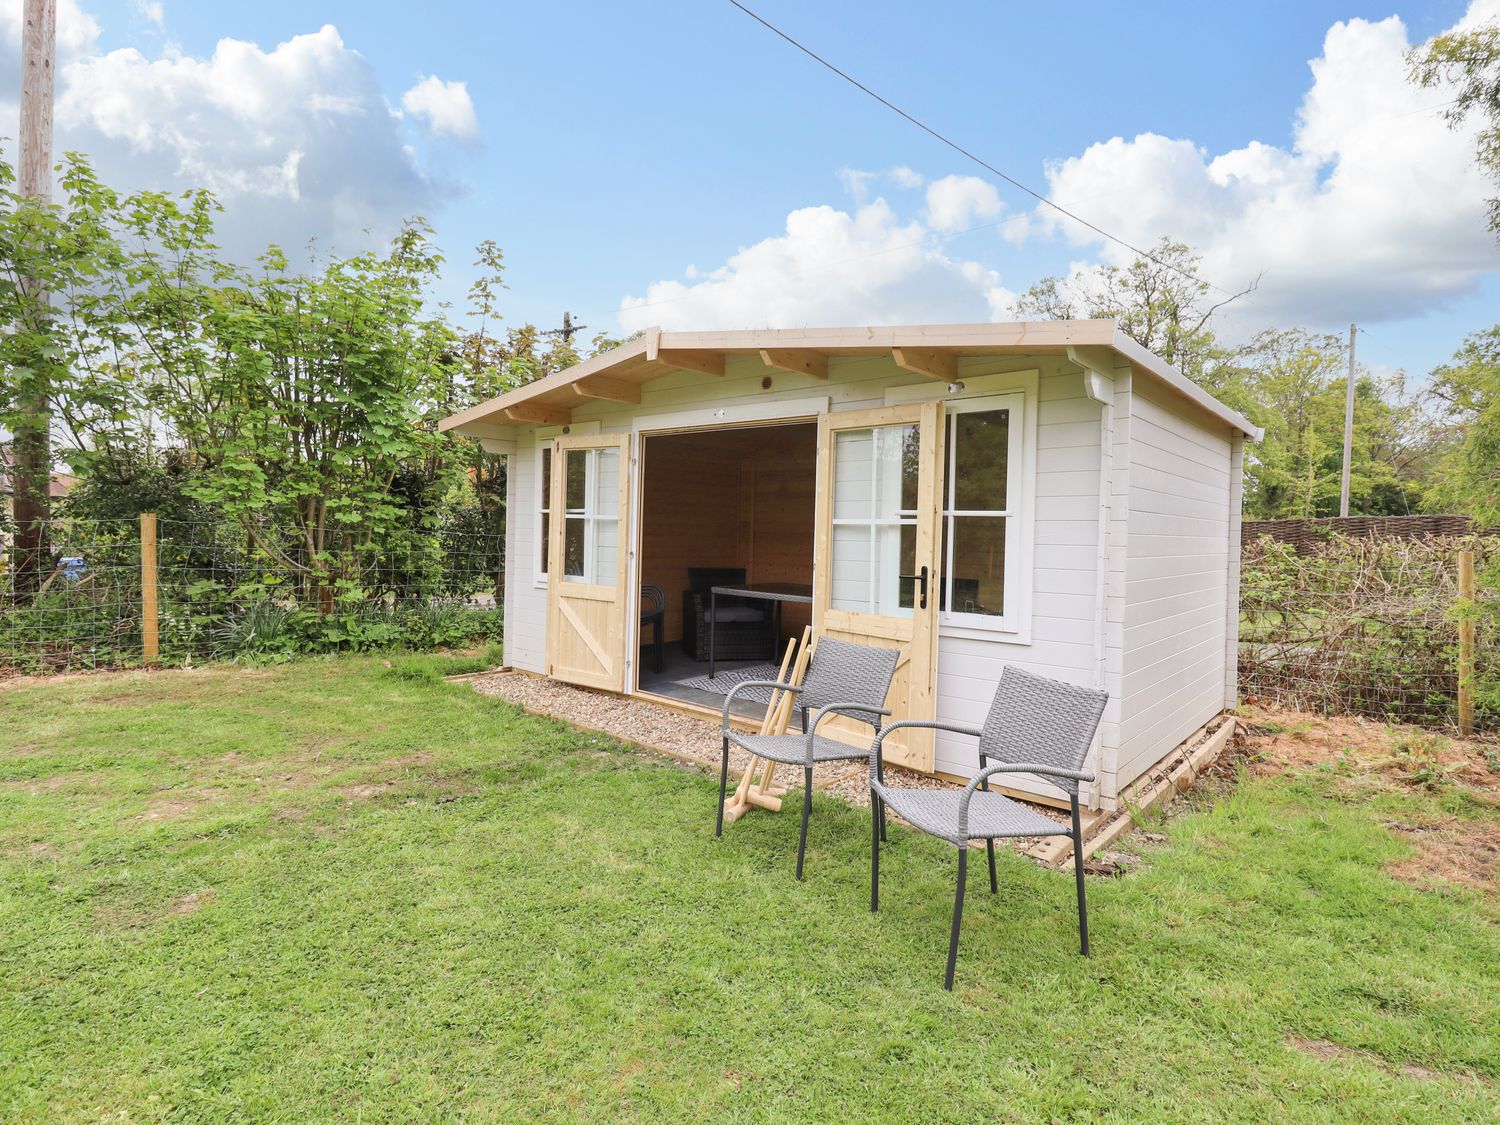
[{"x": 921, "y": 579}]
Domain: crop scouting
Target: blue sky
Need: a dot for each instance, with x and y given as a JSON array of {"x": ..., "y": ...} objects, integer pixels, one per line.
[{"x": 610, "y": 147}]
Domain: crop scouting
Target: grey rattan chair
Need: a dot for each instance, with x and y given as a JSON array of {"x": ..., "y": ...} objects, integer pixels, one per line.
[
  {"x": 842, "y": 679},
  {"x": 1036, "y": 726}
]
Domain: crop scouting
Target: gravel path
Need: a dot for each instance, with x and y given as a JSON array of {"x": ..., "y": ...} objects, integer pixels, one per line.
[
  {"x": 679, "y": 736},
  {"x": 686, "y": 738}
]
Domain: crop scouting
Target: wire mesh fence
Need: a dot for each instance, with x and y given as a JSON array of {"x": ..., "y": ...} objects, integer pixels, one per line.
[
  {"x": 223, "y": 591},
  {"x": 1368, "y": 626}
]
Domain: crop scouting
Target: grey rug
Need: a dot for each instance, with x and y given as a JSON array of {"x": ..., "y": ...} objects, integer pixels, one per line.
[{"x": 726, "y": 679}]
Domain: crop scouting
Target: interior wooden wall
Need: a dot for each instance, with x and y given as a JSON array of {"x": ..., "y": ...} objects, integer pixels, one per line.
[{"x": 729, "y": 498}]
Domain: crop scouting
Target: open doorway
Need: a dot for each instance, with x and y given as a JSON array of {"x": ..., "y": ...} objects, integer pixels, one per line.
[{"x": 725, "y": 507}]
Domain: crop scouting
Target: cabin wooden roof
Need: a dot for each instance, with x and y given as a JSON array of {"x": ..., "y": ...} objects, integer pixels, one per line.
[{"x": 931, "y": 350}]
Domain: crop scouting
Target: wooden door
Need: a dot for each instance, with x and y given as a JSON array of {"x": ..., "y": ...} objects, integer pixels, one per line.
[
  {"x": 875, "y": 554},
  {"x": 588, "y": 567}
]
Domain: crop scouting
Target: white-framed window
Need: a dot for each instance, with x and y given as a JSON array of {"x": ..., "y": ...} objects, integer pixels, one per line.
[
  {"x": 591, "y": 515},
  {"x": 543, "y": 509},
  {"x": 874, "y": 520},
  {"x": 981, "y": 565}
]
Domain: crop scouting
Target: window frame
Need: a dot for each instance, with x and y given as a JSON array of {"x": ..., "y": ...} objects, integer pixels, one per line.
[
  {"x": 542, "y": 504},
  {"x": 981, "y": 380},
  {"x": 904, "y": 517},
  {"x": 589, "y": 515},
  {"x": 1007, "y": 621}
]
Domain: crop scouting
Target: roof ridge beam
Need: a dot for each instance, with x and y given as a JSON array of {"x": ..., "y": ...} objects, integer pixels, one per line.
[
  {"x": 799, "y": 361},
  {"x": 934, "y": 364}
]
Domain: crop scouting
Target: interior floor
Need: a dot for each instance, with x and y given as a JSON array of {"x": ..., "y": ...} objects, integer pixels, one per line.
[{"x": 678, "y": 666}]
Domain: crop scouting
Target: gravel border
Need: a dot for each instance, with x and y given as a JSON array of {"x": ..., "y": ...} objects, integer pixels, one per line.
[{"x": 686, "y": 738}]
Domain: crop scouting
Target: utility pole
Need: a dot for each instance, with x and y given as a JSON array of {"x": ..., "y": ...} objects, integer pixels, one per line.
[
  {"x": 568, "y": 329},
  {"x": 31, "y": 460},
  {"x": 1348, "y": 428}
]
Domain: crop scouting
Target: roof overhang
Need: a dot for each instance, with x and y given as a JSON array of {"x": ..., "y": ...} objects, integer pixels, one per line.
[{"x": 929, "y": 350}]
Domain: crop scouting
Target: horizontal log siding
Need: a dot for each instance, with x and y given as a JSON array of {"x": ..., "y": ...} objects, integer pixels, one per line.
[{"x": 1176, "y": 579}]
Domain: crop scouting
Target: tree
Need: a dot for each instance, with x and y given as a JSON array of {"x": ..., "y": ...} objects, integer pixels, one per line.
[
  {"x": 1295, "y": 383},
  {"x": 1158, "y": 299},
  {"x": 1469, "y": 62},
  {"x": 1467, "y": 392},
  {"x": 54, "y": 260}
]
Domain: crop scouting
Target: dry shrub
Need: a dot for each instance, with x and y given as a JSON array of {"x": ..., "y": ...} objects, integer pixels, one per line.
[{"x": 1367, "y": 626}]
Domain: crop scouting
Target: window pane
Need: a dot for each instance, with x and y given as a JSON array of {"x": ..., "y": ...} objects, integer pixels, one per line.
[
  {"x": 546, "y": 477},
  {"x": 577, "y": 480},
  {"x": 853, "y": 474},
  {"x": 546, "y": 539},
  {"x": 980, "y": 456},
  {"x": 874, "y": 479},
  {"x": 849, "y": 576},
  {"x": 573, "y": 540},
  {"x": 911, "y": 446},
  {"x": 906, "y": 597},
  {"x": 607, "y": 496},
  {"x": 606, "y": 535},
  {"x": 978, "y": 565}
]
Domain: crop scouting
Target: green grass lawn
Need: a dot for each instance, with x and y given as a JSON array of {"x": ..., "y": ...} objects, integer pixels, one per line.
[{"x": 335, "y": 890}]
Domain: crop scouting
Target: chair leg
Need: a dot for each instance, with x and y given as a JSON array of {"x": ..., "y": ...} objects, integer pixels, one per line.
[
  {"x": 880, "y": 776},
  {"x": 874, "y": 853},
  {"x": 989, "y": 846},
  {"x": 1083, "y": 908},
  {"x": 958, "y": 914},
  {"x": 723, "y": 786},
  {"x": 806, "y": 812}
]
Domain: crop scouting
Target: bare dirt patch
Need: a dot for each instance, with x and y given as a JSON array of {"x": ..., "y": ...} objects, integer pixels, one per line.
[
  {"x": 36, "y": 850},
  {"x": 191, "y": 903},
  {"x": 1323, "y": 1049},
  {"x": 36, "y": 786},
  {"x": 1463, "y": 852},
  {"x": 123, "y": 916},
  {"x": 1280, "y": 739}
]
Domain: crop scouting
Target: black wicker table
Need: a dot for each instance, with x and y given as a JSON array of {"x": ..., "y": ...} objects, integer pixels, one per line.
[{"x": 777, "y": 593}]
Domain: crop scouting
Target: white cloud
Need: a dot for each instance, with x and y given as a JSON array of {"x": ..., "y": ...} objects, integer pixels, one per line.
[
  {"x": 445, "y": 106},
  {"x": 954, "y": 202},
  {"x": 829, "y": 267},
  {"x": 857, "y": 184},
  {"x": 299, "y": 141},
  {"x": 904, "y": 177},
  {"x": 152, "y": 11},
  {"x": 1375, "y": 211},
  {"x": 77, "y": 32}
]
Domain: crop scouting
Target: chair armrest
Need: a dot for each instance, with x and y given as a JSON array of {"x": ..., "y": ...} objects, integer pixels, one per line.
[
  {"x": 1011, "y": 767},
  {"x": 912, "y": 724},
  {"x": 743, "y": 684},
  {"x": 851, "y": 710}
]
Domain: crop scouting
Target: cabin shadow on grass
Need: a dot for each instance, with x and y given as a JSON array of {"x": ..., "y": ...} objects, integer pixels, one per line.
[{"x": 387, "y": 897}]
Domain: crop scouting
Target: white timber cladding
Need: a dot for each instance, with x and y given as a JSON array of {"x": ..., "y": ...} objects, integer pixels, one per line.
[
  {"x": 1182, "y": 502},
  {"x": 1161, "y": 553}
]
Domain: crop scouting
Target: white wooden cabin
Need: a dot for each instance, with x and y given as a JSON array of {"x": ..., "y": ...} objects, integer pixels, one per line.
[{"x": 1049, "y": 494}]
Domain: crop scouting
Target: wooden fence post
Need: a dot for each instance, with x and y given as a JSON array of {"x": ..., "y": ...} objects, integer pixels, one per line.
[
  {"x": 149, "y": 641},
  {"x": 1466, "y": 644}
]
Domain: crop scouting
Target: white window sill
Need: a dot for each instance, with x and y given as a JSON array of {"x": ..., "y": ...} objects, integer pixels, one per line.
[{"x": 993, "y": 634}]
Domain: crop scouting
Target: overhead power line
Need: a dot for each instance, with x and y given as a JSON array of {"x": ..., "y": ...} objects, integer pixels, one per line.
[{"x": 958, "y": 148}]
